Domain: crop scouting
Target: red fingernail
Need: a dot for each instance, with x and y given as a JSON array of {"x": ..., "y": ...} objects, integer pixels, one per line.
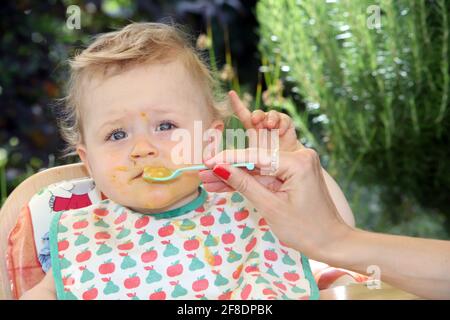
[{"x": 221, "y": 172}]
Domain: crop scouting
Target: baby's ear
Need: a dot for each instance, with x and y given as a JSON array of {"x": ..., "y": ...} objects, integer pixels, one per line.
[
  {"x": 81, "y": 150},
  {"x": 214, "y": 143},
  {"x": 218, "y": 125}
]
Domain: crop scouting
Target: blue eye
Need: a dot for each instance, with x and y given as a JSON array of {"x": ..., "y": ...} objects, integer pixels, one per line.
[
  {"x": 117, "y": 134},
  {"x": 165, "y": 126}
]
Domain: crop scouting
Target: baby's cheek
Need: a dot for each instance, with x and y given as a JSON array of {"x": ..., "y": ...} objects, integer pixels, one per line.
[
  {"x": 113, "y": 185},
  {"x": 118, "y": 176},
  {"x": 188, "y": 181},
  {"x": 113, "y": 178}
]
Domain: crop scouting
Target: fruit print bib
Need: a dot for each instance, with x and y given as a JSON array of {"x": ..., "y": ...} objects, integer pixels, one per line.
[{"x": 215, "y": 247}]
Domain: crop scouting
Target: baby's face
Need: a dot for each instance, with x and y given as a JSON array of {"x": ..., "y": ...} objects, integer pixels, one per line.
[{"x": 128, "y": 120}]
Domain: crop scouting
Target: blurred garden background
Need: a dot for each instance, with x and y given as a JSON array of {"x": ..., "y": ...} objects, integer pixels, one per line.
[{"x": 366, "y": 82}]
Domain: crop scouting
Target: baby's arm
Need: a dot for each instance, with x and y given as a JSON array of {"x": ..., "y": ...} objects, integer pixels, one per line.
[{"x": 44, "y": 290}]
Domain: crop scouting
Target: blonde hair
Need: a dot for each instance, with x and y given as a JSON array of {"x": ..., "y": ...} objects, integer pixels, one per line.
[{"x": 115, "y": 52}]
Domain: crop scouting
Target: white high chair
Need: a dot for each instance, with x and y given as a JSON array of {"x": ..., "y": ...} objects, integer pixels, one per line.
[{"x": 9, "y": 215}]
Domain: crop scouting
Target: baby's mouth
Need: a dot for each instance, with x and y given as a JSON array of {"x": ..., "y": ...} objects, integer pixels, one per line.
[
  {"x": 151, "y": 169},
  {"x": 139, "y": 175}
]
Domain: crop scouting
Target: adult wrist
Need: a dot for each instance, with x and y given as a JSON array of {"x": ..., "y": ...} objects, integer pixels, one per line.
[{"x": 337, "y": 251}]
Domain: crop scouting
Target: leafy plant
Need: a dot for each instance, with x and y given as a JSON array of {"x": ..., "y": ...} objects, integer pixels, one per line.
[{"x": 376, "y": 100}]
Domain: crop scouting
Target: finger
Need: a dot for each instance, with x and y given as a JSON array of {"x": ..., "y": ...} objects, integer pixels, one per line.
[
  {"x": 269, "y": 182},
  {"x": 272, "y": 119},
  {"x": 260, "y": 157},
  {"x": 217, "y": 187},
  {"x": 258, "y": 116},
  {"x": 291, "y": 132},
  {"x": 260, "y": 125},
  {"x": 285, "y": 123},
  {"x": 240, "y": 110},
  {"x": 257, "y": 194},
  {"x": 207, "y": 176},
  {"x": 283, "y": 168}
]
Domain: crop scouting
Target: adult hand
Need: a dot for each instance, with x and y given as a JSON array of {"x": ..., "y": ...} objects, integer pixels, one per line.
[
  {"x": 301, "y": 213},
  {"x": 258, "y": 121},
  {"x": 298, "y": 207}
]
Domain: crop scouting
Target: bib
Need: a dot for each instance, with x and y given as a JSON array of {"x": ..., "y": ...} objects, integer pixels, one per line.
[{"x": 215, "y": 247}]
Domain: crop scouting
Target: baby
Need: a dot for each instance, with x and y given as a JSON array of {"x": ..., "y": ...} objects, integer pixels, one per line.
[{"x": 129, "y": 92}]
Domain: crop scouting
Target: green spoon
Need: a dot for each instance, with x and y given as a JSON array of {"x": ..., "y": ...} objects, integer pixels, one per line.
[{"x": 176, "y": 173}]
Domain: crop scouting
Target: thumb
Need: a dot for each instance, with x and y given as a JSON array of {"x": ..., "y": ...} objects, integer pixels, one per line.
[{"x": 262, "y": 198}]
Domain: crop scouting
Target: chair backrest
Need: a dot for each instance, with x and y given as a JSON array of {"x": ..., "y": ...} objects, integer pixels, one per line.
[{"x": 17, "y": 199}]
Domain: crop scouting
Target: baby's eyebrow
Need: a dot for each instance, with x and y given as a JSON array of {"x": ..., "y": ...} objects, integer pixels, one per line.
[
  {"x": 111, "y": 122},
  {"x": 159, "y": 110}
]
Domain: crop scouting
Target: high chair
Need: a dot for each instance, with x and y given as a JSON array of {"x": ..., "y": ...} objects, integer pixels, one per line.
[
  {"x": 25, "y": 217},
  {"x": 15, "y": 216}
]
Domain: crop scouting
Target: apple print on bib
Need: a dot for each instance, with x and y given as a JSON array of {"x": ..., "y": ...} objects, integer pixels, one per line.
[{"x": 216, "y": 247}]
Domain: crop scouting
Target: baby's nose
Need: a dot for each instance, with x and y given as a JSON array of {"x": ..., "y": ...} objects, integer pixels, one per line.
[{"x": 143, "y": 149}]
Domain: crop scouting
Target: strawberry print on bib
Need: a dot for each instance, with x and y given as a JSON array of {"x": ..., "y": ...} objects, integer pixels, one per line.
[{"x": 215, "y": 247}]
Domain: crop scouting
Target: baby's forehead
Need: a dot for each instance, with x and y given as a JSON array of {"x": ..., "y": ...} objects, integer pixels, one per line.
[
  {"x": 162, "y": 88},
  {"x": 165, "y": 75},
  {"x": 115, "y": 115}
]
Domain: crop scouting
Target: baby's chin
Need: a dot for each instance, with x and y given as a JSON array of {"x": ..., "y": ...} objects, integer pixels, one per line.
[
  {"x": 154, "y": 200},
  {"x": 162, "y": 201}
]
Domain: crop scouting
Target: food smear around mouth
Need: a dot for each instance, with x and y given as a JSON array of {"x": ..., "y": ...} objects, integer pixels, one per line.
[
  {"x": 121, "y": 168},
  {"x": 157, "y": 172}
]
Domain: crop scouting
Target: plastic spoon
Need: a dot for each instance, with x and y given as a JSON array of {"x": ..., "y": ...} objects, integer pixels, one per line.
[{"x": 176, "y": 173}]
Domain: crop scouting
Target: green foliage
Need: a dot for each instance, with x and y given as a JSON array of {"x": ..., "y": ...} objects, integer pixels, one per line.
[{"x": 376, "y": 101}]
